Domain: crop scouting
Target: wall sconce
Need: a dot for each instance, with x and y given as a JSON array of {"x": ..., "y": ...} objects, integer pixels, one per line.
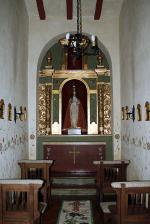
[
  {"x": 130, "y": 114},
  {"x": 18, "y": 115},
  {"x": 25, "y": 113},
  {"x": 139, "y": 112},
  {"x": 147, "y": 108},
  {"x": 22, "y": 114},
  {"x": 123, "y": 113},
  {"x": 9, "y": 112},
  {"x": 127, "y": 113},
  {"x": 2, "y": 108}
]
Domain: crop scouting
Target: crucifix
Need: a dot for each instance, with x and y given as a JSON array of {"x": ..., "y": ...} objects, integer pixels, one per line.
[{"x": 74, "y": 152}]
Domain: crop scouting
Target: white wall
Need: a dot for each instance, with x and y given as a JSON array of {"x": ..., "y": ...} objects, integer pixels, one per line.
[
  {"x": 135, "y": 84},
  {"x": 41, "y": 32},
  {"x": 13, "y": 84}
]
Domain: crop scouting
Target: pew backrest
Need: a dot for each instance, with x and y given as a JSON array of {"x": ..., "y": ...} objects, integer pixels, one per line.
[
  {"x": 133, "y": 202},
  {"x": 19, "y": 201},
  {"x": 37, "y": 169},
  {"x": 110, "y": 171}
]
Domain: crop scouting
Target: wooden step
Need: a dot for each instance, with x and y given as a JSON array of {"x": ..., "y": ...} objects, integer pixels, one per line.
[
  {"x": 73, "y": 181},
  {"x": 73, "y": 191},
  {"x": 73, "y": 174},
  {"x": 73, "y": 186}
]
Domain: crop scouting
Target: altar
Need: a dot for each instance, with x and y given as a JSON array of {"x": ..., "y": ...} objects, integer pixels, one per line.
[
  {"x": 74, "y": 158},
  {"x": 74, "y": 144}
]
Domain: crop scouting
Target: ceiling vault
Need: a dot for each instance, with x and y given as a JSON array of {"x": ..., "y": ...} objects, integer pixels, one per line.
[
  {"x": 98, "y": 9},
  {"x": 69, "y": 4},
  {"x": 41, "y": 10}
]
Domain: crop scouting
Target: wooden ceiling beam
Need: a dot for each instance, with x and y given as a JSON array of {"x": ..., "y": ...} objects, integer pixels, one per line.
[
  {"x": 41, "y": 10},
  {"x": 98, "y": 9},
  {"x": 69, "y": 7}
]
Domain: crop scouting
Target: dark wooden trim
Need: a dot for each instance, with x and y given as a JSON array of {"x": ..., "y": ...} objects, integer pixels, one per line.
[
  {"x": 69, "y": 8},
  {"x": 98, "y": 9},
  {"x": 41, "y": 10}
]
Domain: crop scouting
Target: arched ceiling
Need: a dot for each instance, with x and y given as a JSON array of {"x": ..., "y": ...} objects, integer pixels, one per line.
[{"x": 96, "y": 9}]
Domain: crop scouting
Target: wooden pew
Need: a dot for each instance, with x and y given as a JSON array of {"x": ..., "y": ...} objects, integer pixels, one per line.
[
  {"x": 19, "y": 201},
  {"x": 133, "y": 202},
  {"x": 38, "y": 169},
  {"x": 108, "y": 172}
]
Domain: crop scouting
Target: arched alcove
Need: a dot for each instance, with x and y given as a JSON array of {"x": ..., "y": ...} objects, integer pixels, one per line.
[
  {"x": 51, "y": 44},
  {"x": 55, "y": 91},
  {"x": 81, "y": 94}
]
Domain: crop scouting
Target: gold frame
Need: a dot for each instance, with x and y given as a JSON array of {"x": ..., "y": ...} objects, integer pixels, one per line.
[
  {"x": 67, "y": 75},
  {"x": 88, "y": 100},
  {"x": 78, "y": 75}
]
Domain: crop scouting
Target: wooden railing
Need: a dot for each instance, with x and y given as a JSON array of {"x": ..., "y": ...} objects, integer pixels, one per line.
[
  {"x": 108, "y": 172},
  {"x": 38, "y": 169},
  {"x": 19, "y": 201},
  {"x": 133, "y": 202}
]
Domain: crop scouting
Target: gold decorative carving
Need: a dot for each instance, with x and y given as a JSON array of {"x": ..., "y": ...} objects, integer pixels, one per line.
[
  {"x": 92, "y": 91},
  {"x": 103, "y": 71},
  {"x": 139, "y": 112},
  {"x": 44, "y": 110},
  {"x": 2, "y": 109},
  {"x": 54, "y": 91},
  {"x": 74, "y": 74},
  {"x": 46, "y": 73},
  {"x": 147, "y": 111},
  {"x": 99, "y": 59},
  {"x": 9, "y": 112},
  {"x": 102, "y": 124},
  {"x": 104, "y": 109},
  {"x": 49, "y": 61}
]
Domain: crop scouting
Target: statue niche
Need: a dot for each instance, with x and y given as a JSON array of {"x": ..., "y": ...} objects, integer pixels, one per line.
[
  {"x": 74, "y": 106},
  {"x": 74, "y": 109}
]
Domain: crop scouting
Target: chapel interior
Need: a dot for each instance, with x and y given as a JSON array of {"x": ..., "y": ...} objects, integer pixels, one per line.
[{"x": 74, "y": 110}]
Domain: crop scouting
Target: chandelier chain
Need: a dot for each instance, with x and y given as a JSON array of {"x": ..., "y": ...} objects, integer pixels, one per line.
[
  {"x": 79, "y": 17},
  {"x": 76, "y": 44}
]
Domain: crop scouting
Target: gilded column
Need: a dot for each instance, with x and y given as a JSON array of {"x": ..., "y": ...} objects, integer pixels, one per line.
[
  {"x": 44, "y": 109},
  {"x": 104, "y": 100},
  {"x": 104, "y": 109},
  {"x": 100, "y": 110}
]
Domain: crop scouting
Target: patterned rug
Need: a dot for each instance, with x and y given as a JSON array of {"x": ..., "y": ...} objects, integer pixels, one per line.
[{"x": 75, "y": 212}]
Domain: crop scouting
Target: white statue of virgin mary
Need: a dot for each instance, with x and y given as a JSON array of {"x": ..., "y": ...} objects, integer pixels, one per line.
[{"x": 74, "y": 109}]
